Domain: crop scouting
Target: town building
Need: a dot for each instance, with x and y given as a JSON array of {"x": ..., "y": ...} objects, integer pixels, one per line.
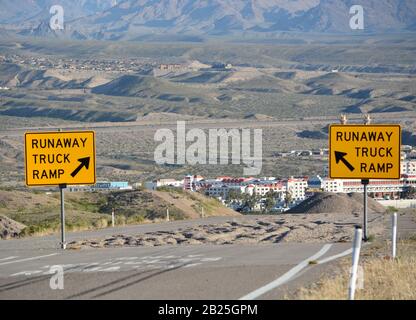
[
  {"x": 189, "y": 182},
  {"x": 296, "y": 187},
  {"x": 103, "y": 186},
  {"x": 408, "y": 167},
  {"x": 154, "y": 184},
  {"x": 379, "y": 189},
  {"x": 318, "y": 183}
]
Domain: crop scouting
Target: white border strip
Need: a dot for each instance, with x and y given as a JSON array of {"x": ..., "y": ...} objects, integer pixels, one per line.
[
  {"x": 9, "y": 258},
  {"x": 287, "y": 276},
  {"x": 28, "y": 259},
  {"x": 340, "y": 255}
]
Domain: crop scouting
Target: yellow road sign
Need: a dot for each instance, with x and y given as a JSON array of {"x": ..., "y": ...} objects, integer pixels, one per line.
[
  {"x": 364, "y": 151},
  {"x": 55, "y": 158}
]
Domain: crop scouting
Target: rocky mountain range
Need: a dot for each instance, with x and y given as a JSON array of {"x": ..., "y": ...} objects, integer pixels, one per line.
[{"x": 135, "y": 19}]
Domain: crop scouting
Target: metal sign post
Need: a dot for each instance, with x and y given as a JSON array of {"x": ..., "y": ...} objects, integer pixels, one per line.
[
  {"x": 60, "y": 159},
  {"x": 364, "y": 151},
  {"x": 365, "y": 183},
  {"x": 61, "y": 191}
]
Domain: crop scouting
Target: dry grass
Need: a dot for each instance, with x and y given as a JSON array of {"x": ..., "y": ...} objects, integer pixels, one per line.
[{"x": 384, "y": 279}]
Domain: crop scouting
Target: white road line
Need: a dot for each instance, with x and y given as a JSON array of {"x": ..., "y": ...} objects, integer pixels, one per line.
[
  {"x": 9, "y": 258},
  {"x": 340, "y": 255},
  {"x": 28, "y": 259},
  {"x": 287, "y": 276}
]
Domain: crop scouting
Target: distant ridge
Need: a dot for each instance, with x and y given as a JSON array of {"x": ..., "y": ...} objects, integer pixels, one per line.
[{"x": 187, "y": 20}]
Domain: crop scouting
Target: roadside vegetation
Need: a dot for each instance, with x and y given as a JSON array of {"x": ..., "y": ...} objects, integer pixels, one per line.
[
  {"x": 39, "y": 211},
  {"x": 197, "y": 201},
  {"x": 384, "y": 279}
]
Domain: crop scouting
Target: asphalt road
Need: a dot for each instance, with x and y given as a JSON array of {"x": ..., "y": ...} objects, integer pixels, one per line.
[
  {"x": 166, "y": 272},
  {"x": 201, "y": 123}
]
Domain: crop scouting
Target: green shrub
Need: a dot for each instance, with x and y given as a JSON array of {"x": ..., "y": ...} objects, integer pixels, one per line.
[
  {"x": 42, "y": 228},
  {"x": 391, "y": 209},
  {"x": 100, "y": 223},
  {"x": 170, "y": 189},
  {"x": 176, "y": 214},
  {"x": 76, "y": 223},
  {"x": 120, "y": 220},
  {"x": 136, "y": 218},
  {"x": 371, "y": 238}
]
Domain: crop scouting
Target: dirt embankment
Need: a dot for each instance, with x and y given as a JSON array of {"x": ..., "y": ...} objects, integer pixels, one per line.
[
  {"x": 329, "y": 218},
  {"x": 193, "y": 204},
  {"x": 333, "y": 227},
  {"x": 10, "y": 228},
  {"x": 325, "y": 202}
]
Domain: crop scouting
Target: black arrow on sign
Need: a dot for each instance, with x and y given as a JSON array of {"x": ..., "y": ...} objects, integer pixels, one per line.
[
  {"x": 339, "y": 156},
  {"x": 85, "y": 162}
]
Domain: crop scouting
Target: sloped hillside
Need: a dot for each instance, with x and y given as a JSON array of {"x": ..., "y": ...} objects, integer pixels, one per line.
[
  {"x": 38, "y": 212},
  {"x": 135, "y": 86},
  {"x": 151, "y": 88}
]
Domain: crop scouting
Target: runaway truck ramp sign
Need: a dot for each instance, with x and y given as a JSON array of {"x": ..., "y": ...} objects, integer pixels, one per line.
[
  {"x": 364, "y": 151},
  {"x": 60, "y": 158}
]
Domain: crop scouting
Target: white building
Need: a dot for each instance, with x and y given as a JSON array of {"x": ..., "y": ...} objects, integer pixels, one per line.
[
  {"x": 379, "y": 188},
  {"x": 223, "y": 191},
  {"x": 229, "y": 181},
  {"x": 408, "y": 167},
  {"x": 263, "y": 189},
  {"x": 297, "y": 187},
  {"x": 409, "y": 180},
  {"x": 330, "y": 185},
  {"x": 189, "y": 182},
  {"x": 153, "y": 185}
]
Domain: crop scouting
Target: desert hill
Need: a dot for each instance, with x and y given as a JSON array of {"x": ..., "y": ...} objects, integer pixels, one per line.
[
  {"x": 87, "y": 210},
  {"x": 324, "y": 202}
]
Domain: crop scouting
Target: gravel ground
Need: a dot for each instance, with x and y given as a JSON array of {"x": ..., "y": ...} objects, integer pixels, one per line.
[{"x": 250, "y": 230}]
